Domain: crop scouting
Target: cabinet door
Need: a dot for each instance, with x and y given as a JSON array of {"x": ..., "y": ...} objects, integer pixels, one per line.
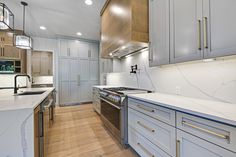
[
  {"x": 93, "y": 70},
  {"x": 85, "y": 90},
  {"x": 64, "y": 51},
  {"x": 65, "y": 92},
  {"x": 191, "y": 146},
  {"x": 94, "y": 51},
  {"x": 64, "y": 69},
  {"x": 36, "y": 60},
  {"x": 186, "y": 32},
  {"x": 74, "y": 92},
  {"x": 10, "y": 52},
  {"x": 159, "y": 32},
  {"x": 84, "y": 69},
  {"x": 74, "y": 69},
  {"x": 73, "y": 48},
  {"x": 83, "y": 50},
  {"x": 219, "y": 28}
]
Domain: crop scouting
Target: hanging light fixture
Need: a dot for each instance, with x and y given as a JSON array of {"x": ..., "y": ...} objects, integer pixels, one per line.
[
  {"x": 6, "y": 18},
  {"x": 23, "y": 41}
]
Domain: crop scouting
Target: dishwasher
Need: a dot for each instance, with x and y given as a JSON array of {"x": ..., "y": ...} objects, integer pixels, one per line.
[{"x": 46, "y": 121}]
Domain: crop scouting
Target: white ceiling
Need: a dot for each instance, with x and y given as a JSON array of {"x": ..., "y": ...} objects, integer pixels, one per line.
[{"x": 61, "y": 17}]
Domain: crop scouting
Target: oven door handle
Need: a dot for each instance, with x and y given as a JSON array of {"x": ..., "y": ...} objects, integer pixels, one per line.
[{"x": 110, "y": 103}]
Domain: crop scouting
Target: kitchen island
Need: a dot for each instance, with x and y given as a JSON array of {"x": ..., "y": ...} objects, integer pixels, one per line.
[{"x": 17, "y": 121}]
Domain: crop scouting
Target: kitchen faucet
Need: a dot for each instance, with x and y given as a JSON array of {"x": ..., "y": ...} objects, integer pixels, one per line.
[{"x": 15, "y": 85}]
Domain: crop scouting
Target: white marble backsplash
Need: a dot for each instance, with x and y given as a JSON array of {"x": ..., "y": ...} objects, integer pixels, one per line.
[
  {"x": 7, "y": 80},
  {"x": 214, "y": 80}
]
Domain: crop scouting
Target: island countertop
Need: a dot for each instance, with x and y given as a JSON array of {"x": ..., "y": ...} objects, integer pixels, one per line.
[
  {"x": 213, "y": 110},
  {"x": 9, "y": 101}
]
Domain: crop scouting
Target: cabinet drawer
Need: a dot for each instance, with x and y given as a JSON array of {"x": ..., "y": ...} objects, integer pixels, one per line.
[
  {"x": 144, "y": 147},
  {"x": 159, "y": 133},
  {"x": 157, "y": 112},
  {"x": 217, "y": 133}
]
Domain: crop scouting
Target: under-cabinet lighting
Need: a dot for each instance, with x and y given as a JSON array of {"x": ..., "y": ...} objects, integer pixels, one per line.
[{"x": 209, "y": 60}]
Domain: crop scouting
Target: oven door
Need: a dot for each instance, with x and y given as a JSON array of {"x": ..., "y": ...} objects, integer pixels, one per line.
[{"x": 111, "y": 117}]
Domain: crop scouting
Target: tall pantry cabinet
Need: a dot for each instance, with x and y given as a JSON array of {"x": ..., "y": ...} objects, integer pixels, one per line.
[{"x": 78, "y": 62}]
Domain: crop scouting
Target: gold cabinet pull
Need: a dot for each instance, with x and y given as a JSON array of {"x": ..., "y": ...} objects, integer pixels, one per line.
[
  {"x": 146, "y": 109},
  {"x": 199, "y": 35},
  {"x": 178, "y": 148},
  {"x": 205, "y": 32},
  {"x": 146, "y": 127},
  {"x": 145, "y": 150},
  {"x": 206, "y": 130}
]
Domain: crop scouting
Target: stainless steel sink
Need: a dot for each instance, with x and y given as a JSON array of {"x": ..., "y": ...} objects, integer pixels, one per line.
[{"x": 31, "y": 93}]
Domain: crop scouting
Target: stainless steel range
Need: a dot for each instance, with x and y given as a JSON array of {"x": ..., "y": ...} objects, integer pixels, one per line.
[{"x": 114, "y": 111}]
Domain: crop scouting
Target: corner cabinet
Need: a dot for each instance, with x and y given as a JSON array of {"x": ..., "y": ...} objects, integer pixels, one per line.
[
  {"x": 198, "y": 29},
  {"x": 159, "y": 12}
]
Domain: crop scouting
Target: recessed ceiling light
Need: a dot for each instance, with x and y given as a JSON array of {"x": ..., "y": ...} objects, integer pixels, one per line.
[
  {"x": 43, "y": 27},
  {"x": 88, "y": 2},
  {"x": 79, "y": 33}
]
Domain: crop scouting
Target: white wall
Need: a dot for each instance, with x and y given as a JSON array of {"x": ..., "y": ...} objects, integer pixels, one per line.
[{"x": 207, "y": 80}]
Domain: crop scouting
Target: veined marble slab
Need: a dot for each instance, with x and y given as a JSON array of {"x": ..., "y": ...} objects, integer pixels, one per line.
[
  {"x": 17, "y": 121},
  {"x": 213, "y": 110},
  {"x": 9, "y": 101}
]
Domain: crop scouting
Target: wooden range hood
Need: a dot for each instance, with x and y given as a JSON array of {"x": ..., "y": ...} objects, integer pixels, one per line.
[{"x": 124, "y": 27}]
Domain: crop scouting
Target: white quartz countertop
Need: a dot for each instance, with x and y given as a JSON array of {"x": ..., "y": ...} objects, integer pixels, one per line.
[
  {"x": 9, "y": 101},
  {"x": 213, "y": 110}
]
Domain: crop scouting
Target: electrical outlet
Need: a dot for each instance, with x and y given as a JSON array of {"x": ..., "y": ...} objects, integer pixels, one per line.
[{"x": 178, "y": 90}]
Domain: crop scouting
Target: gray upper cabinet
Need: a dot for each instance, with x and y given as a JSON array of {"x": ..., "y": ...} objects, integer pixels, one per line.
[
  {"x": 159, "y": 11},
  {"x": 219, "y": 28},
  {"x": 187, "y": 30},
  {"x": 186, "y": 34}
]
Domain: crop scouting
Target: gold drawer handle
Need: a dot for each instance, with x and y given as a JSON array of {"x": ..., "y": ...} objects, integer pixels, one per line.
[
  {"x": 146, "y": 127},
  {"x": 227, "y": 137},
  {"x": 146, "y": 109},
  {"x": 178, "y": 148},
  {"x": 145, "y": 150}
]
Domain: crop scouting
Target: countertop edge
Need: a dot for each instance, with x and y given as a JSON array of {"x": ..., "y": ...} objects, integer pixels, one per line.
[{"x": 188, "y": 111}]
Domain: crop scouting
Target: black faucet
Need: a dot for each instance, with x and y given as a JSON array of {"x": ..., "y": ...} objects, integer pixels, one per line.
[{"x": 15, "y": 85}]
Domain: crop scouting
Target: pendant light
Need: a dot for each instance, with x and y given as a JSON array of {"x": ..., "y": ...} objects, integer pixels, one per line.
[
  {"x": 6, "y": 18},
  {"x": 23, "y": 41}
]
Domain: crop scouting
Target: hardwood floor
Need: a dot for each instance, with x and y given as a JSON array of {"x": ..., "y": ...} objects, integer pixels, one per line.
[{"x": 78, "y": 132}]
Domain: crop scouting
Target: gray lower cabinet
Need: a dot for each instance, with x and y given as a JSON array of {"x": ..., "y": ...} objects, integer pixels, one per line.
[
  {"x": 192, "y": 136},
  {"x": 159, "y": 12},
  {"x": 191, "y": 146}
]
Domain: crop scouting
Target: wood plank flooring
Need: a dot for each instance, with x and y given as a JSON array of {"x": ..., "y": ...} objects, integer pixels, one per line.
[{"x": 78, "y": 132}]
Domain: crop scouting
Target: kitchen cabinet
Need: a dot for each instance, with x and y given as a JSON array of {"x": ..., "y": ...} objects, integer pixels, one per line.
[
  {"x": 69, "y": 48},
  {"x": 124, "y": 26},
  {"x": 94, "y": 51},
  {"x": 219, "y": 28},
  {"x": 197, "y": 30},
  {"x": 189, "y": 145},
  {"x": 175, "y": 133},
  {"x": 42, "y": 63},
  {"x": 76, "y": 79},
  {"x": 84, "y": 50},
  {"x": 186, "y": 33},
  {"x": 159, "y": 51}
]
